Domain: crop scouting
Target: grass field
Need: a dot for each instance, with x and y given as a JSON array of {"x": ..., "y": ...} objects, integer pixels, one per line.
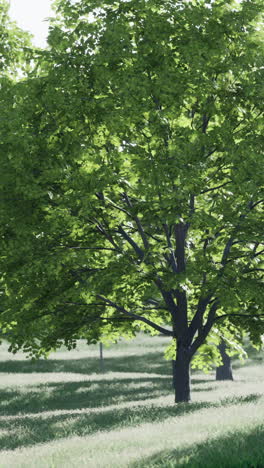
[{"x": 62, "y": 413}]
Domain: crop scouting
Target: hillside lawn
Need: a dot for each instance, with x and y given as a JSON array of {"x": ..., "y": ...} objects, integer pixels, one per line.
[{"x": 62, "y": 413}]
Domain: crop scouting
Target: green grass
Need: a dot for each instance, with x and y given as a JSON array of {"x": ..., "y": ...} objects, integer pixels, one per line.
[{"x": 62, "y": 412}]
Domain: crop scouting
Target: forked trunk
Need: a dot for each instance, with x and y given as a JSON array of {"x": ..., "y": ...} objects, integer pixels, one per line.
[
  {"x": 224, "y": 372},
  {"x": 182, "y": 375}
]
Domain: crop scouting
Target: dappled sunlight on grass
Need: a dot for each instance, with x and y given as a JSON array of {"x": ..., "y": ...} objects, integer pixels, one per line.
[
  {"x": 74, "y": 395},
  {"x": 136, "y": 440},
  {"x": 64, "y": 413},
  {"x": 235, "y": 449},
  {"x": 52, "y": 377}
]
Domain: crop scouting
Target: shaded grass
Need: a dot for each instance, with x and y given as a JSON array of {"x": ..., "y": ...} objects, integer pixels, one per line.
[
  {"x": 81, "y": 395},
  {"x": 241, "y": 449},
  {"x": 56, "y": 401},
  {"x": 31, "y": 430},
  {"x": 152, "y": 362},
  {"x": 38, "y": 427}
]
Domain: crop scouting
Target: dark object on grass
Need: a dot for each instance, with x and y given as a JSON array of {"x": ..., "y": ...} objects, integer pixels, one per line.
[{"x": 224, "y": 372}]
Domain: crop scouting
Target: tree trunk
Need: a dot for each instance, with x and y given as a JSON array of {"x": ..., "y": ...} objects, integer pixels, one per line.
[
  {"x": 224, "y": 372},
  {"x": 182, "y": 375}
]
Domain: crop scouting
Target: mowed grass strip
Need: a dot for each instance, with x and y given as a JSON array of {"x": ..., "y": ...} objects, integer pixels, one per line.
[{"x": 62, "y": 412}]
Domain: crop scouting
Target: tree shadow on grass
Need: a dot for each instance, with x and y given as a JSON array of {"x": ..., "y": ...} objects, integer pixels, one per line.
[
  {"x": 203, "y": 389},
  {"x": 91, "y": 394},
  {"x": 198, "y": 381},
  {"x": 151, "y": 363},
  {"x": 80, "y": 395},
  {"x": 25, "y": 419},
  {"x": 29, "y": 429},
  {"x": 240, "y": 449}
]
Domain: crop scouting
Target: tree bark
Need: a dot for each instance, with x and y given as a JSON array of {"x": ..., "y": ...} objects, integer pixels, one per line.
[
  {"x": 182, "y": 375},
  {"x": 224, "y": 372}
]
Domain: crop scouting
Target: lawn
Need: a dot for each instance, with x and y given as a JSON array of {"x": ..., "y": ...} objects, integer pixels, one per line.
[{"x": 62, "y": 412}]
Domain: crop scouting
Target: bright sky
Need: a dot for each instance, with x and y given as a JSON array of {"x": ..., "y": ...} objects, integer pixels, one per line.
[{"x": 30, "y": 15}]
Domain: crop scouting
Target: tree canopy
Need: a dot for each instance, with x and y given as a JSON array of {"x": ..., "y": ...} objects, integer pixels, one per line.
[
  {"x": 14, "y": 46},
  {"x": 132, "y": 179}
]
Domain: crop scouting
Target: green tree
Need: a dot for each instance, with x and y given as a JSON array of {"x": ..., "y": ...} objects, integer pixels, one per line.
[
  {"x": 132, "y": 183},
  {"x": 224, "y": 371},
  {"x": 15, "y": 56},
  {"x": 15, "y": 46}
]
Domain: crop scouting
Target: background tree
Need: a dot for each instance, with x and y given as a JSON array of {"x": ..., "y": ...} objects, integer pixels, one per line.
[
  {"x": 224, "y": 371},
  {"x": 137, "y": 156}
]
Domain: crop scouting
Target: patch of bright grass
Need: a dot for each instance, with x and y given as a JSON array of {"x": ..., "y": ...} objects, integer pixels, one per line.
[{"x": 62, "y": 412}]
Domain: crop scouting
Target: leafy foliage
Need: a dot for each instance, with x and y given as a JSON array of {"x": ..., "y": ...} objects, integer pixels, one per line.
[
  {"x": 132, "y": 176},
  {"x": 15, "y": 47}
]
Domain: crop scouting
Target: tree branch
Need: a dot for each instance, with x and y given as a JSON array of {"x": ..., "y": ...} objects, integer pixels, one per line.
[
  {"x": 215, "y": 188},
  {"x": 206, "y": 119},
  {"x": 167, "y": 296},
  {"x": 129, "y": 239},
  {"x": 230, "y": 242},
  {"x": 118, "y": 207},
  {"x": 255, "y": 204},
  {"x": 136, "y": 316},
  {"x": 138, "y": 223},
  {"x": 205, "y": 329},
  {"x": 197, "y": 321},
  {"x": 248, "y": 316},
  {"x": 227, "y": 250},
  {"x": 180, "y": 323},
  {"x": 107, "y": 235},
  {"x": 259, "y": 253},
  {"x": 253, "y": 269},
  {"x": 192, "y": 206},
  {"x": 84, "y": 304},
  {"x": 172, "y": 254}
]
